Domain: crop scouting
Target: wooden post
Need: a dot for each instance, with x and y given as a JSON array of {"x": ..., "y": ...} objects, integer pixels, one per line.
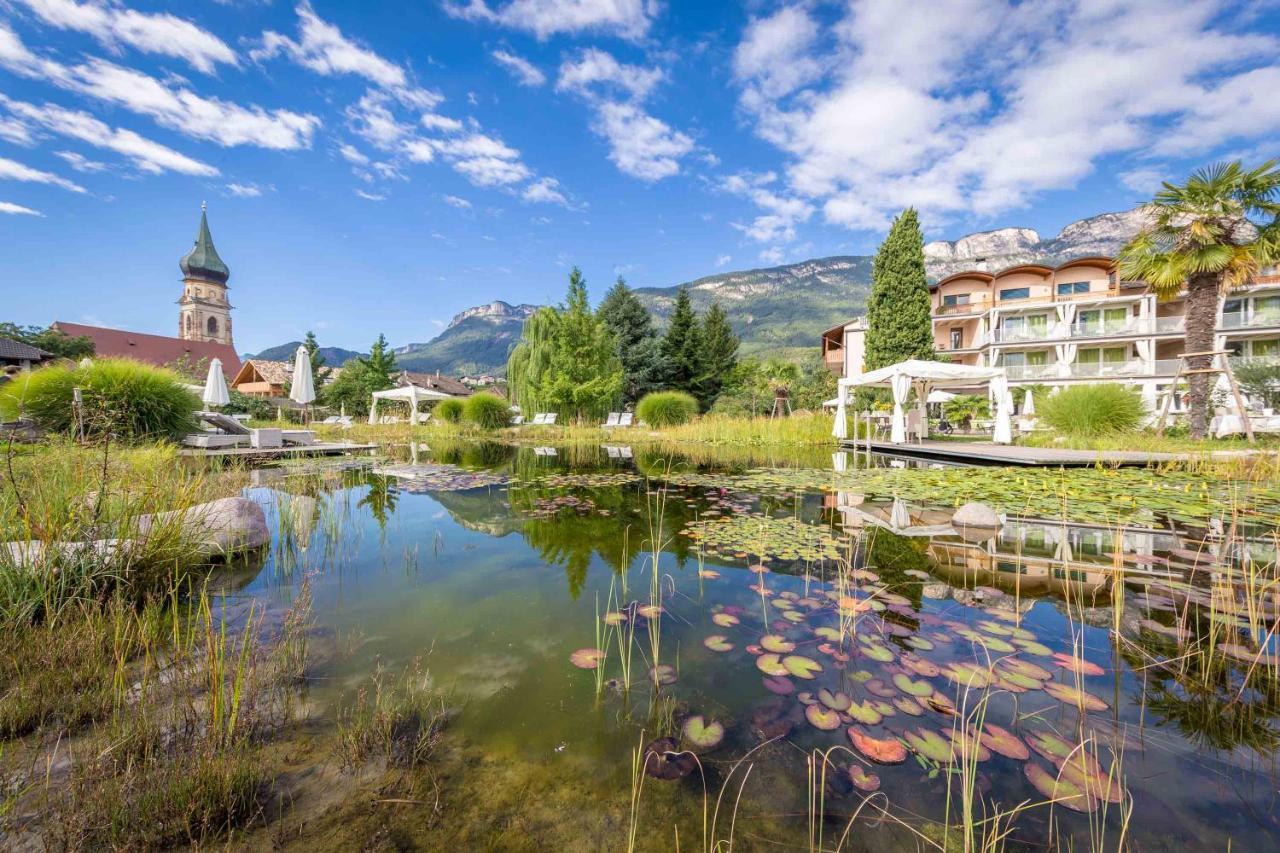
[{"x": 1235, "y": 392}]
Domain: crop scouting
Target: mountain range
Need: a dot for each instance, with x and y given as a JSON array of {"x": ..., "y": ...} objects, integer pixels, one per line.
[
  {"x": 333, "y": 356},
  {"x": 776, "y": 308}
]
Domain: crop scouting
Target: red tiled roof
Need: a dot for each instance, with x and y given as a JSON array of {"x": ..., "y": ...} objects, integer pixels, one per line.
[
  {"x": 434, "y": 382},
  {"x": 152, "y": 349}
]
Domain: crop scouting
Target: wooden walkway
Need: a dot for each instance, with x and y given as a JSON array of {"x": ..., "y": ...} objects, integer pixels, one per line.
[
  {"x": 986, "y": 453},
  {"x": 267, "y": 453}
]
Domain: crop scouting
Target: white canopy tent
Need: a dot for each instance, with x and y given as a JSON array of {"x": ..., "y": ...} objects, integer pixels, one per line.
[
  {"x": 925, "y": 377},
  {"x": 410, "y": 394}
]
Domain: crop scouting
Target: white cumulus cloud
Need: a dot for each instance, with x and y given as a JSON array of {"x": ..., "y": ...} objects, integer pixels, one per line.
[
  {"x": 545, "y": 18},
  {"x": 524, "y": 71},
  {"x": 12, "y": 170},
  {"x": 17, "y": 209}
]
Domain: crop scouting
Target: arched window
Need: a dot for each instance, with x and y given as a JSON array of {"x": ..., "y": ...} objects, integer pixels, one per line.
[
  {"x": 188, "y": 319},
  {"x": 213, "y": 325}
]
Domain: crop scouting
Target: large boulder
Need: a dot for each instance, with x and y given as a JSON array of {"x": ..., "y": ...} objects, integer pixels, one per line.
[{"x": 218, "y": 528}]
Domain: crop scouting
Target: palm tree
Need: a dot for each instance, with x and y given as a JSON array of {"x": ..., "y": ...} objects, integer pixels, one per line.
[{"x": 1211, "y": 235}]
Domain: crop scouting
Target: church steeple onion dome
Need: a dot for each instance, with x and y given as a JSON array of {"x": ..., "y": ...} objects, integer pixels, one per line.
[{"x": 202, "y": 262}]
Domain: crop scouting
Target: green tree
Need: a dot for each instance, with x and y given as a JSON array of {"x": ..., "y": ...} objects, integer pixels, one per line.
[
  {"x": 681, "y": 348},
  {"x": 381, "y": 363},
  {"x": 1209, "y": 235},
  {"x": 50, "y": 340},
  {"x": 529, "y": 365},
  {"x": 586, "y": 375},
  {"x": 318, "y": 370},
  {"x": 637, "y": 341},
  {"x": 718, "y": 357},
  {"x": 360, "y": 377},
  {"x": 898, "y": 323}
]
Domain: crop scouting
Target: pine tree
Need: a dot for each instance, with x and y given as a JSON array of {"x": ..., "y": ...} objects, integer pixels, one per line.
[
  {"x": 898, "y": 324},
  {"x": 632, "y": 326},
  {"x": 318, "y": 369},
  {"x": 719, "y": 354},
  {"x": 381, "y": 364},
  {"x": 681, "y": 347}
]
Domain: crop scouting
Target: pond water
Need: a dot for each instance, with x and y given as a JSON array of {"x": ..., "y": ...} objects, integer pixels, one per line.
[{"x": 782, "y": 620}]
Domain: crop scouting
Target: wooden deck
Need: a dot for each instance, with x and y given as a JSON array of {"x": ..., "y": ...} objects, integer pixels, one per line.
[
  {"x": 268, "y": 453},
  {"x": 986, "y": 453}
]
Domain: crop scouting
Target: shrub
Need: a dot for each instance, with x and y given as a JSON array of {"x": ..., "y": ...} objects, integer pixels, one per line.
[
  {"x": 666, "y": 408},
  {"x": 964, "y": 409},
  {"x": 242, "y": 404},
  {"x": 1090, "y": 410},
  {"x": 128, "y": 399},
  {"x": 487, "y": 411},
  {"x": 1261, "y": 381},
  {"x": 449, "y": 411}
]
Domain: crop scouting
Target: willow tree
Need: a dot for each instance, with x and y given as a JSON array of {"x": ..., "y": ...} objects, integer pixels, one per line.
[
  {"x": 1209, "y": 235},
  {"x": 529, "y": 364}
]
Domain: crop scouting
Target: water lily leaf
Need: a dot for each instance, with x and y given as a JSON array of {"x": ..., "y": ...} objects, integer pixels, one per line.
[
  {"x": 663, "y": 673},
  {"x": 912, "y": 688},
  {"x": 826, "y": 632},
  {"x": 1026, "y": 668},
  {"x": 1004, "y": 742},
  {"x": 876, "y": 652},
  {"x": 1031, "y": 647},
  {"x": 708, "y": 574},
  {"x": 614, "y": 618},
  {"x": 663, "y": 759},
  {"x": 836, "y": 701},
  {"x": 886, "y": 751},
  {"x": 968, "y": 747},
  {"x": 1050, "y": 745},
  {"x": 930, "y": 744},
  {"x": 1083, "y": 770},
  {"x": 1070, "y": 695},
  {"x": 862, "y": 780},
  {"x": 967, "y": 675},
  {"x": 1061, "y": 791},
  {"x": 725, "y": 620},
  {"x": 771, "y": 664},
  {"x": 907, "y": 705},
  {"x": 919, "y": 643},
  {"x": 718, "y": 643},
  {"x": 864, "y": 712},
  {"x": 649, "y": 611},
  {"x": 822, "y": 717},
  {"x": 702, "y": 733},
  {"x": 778, "y": 685},
  {"x": 876, "y": 687},
  {"x": 920, "y": 666},
  {"x": 800, "y": 666},
  {"x": 1080, "y": 666},
  {"x": 586, "y": 658}
]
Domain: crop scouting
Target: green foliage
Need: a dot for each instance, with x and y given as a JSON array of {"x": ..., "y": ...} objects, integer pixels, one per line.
[
  {"x": 255, "y": 407},
  {"x": 964, "y": 409},
  {"x": 1209, "y": 235},
  {"x": 449, "y": 411},
  {"x": 719, "y": 355},
  {"x": 127, "y": 399},
  {"x": 681, "y": 347},
  {"x": 1089, "y": 410},
  {"x": 1261, "y": 381},
  {"x": 50, "y": 340},
  {"x": 381, "y": 363},
  {"x": 567, "y": 360},
  {"x": 667, "y": 408},
  {"x": 898, "y": 324},
  {"x": 637, "y": 341},
  {"x": 750, "y": 386},
  {"x": 487, "y": 411},
  {"x": 360, "y": 377}
]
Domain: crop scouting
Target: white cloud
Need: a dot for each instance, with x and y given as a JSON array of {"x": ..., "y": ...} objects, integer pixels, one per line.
[
  {"x": 455, "y": 201},
  {"x": 370, "y": 196},
  {"x": 524, "y": 71},
  {"x": 114, "y": 25},
  {"x": 640, "y": 144},
  {"x": 544, "y": 191},
  {"x": 17, "y": 209},
  {"x": 170, "y": 105},
  {"x": 148, "y": 156},
  {"x": 79, "y": 162},
  {"x": 977, "y": 106},
  {"x": 772, "y": 255},
  {"x": 485, "y": 160},
  {"x": 543, "y": 18},
  {"x": 12, "y": 170},
  {"x": 723, "y": 260},
  {"x": 782, "y": 215},
  {"x": 16, "y": 131},
  {"x": 322, "y": 48},
  {"x": 444, "y": 124},
  {"x": 244, "y": 190},
  {"x": 1145, "y": 180},
  {"x": 352, "y": 154}
]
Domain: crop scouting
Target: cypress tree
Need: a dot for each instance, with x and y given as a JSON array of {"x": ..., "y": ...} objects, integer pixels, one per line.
[
  {"x": 681, "y": 347},
  {"x": 719, "y": 354},
  {"x": 632, "y": 326},
  {"x": 898, "y": 325}
]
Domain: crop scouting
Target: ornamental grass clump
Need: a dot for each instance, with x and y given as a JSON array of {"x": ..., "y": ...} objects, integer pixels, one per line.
[
  {"x": 450, "y": 411},
  {"x": 127, "y": 399},
  {"x": 487, "y": 411},
  {"x": 666, "y": 408},
  {"x": 1093, "y": 410}
]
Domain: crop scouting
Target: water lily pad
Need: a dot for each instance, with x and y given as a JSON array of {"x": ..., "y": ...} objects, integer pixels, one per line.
[
  {"x": 1032, "y": 647},
  {"x": 1070, "y": 695},
  {"x": 614, "y": 618},
  {"x": 1026, "y": 668},
  {"x": 1080, "y": 666},
  {"x": 718, "y": 643},
  {"x": 941, "y": 703},
  {"x": 702, "y": 733},
  {"x": 886, "y": 751},
  {"x": 912, "y": 688},
  {"x": 907, "y": 705},
  {"x": 828, "y": 633},
  {"x": 920, "y": 666},
  {"x": 725, "y": 620},
  {"x": 967, "y": 746},
  {"x": 876, "y": 652},
  {"x": 862, "y": 780},
  {"x": 801, "y": 666},
  {"x": 663, "y": 673},
  {"x": 663, "y": 759},
  {"x": 1004, "y": 742},
  {"x": 649, "y": 611},
  {"x": 778, "y": 685},
  {"x": 930, "y": 744},
  {"x": 919, "y": 643},
  {"x": 822, "y": 717},
  {"x": 864, "y": 712},
  {"x": 836, "y": 701},
  {"x": 967, "y": 675},
  {"x": 586, "y": 658},
  {"x": 708, "y": 574},
  {"x": 771, "y": 664},
  {"x": 1050, "y": 745},
  {"x": 1061, "y": 791},
  {"x": 1083, "y": 770}
]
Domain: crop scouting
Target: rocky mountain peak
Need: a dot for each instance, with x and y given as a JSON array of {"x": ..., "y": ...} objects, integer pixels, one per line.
[
  {"x": 1002, "y": 241},
  {"x": 496, "y": 311}
]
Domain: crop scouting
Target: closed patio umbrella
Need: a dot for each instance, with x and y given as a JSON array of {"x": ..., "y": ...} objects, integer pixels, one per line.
[
  {"x": 840, "y": 429},
  {"x": 215, "y": 386},
  {"x": 1029, "y": 404},
  {"x": 303, "y": 387}
]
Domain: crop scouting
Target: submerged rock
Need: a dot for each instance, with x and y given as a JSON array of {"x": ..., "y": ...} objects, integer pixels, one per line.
[
  {"x": 935, "y": 590},
  {"x": 974, "y": 514}
]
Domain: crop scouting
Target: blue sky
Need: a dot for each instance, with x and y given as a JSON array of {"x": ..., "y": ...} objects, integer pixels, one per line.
[{"x": 377, "y": 168}]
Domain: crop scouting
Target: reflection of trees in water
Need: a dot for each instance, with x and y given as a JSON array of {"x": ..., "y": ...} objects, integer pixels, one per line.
[{"x": 381, "y": 498}]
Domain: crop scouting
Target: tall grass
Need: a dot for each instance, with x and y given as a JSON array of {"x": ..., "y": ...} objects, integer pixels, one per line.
[
  {"x": 1093, "y": 410},
  {"x": 667, "y": 408}
]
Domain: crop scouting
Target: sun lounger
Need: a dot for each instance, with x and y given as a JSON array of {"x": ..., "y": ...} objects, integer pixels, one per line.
[
  {"x": 517, "y": 420},
  {"x": 626, "y": 419},
  {"x": 544, "y": 419},
  {"x": 214, "y": 441},
  {"x": 612, "y": 420},
  {"x": 551, "y": 419},
  {"x": 224, "y": 423}
]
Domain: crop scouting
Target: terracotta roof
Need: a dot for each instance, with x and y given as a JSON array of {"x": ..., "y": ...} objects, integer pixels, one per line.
[
  {"x": 152, "y": 349},
  {"x": 18, "y": 351},
  {"x": 434, "y": 382},
  {"x": 275, "y": 372}
]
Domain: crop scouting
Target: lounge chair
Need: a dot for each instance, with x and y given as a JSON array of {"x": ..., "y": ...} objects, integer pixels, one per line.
[
  {"x": 626, "y": 419},
  {"x": 517, "y": 420},
  {"x": 612, "y": 420},
  {"x": 551, "y": 419},
  {"x": 544, "y": 419}
]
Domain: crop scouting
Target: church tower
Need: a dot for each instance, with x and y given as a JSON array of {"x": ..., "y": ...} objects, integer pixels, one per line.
[{"x": 204, "y": 312}]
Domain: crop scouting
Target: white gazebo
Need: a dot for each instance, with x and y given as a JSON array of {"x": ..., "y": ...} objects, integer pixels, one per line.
[
  {"x": 410, "y": 394},
  {"x": 926, "y": 377}
]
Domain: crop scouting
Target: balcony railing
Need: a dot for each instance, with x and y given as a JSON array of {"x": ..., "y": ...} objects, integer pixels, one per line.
[
  {"x": 1093, "y": 369},
  {"x": 1098, "y": 329},
  {"x": 963, "y": 308},
  {"x": 1243, "y": 320}
]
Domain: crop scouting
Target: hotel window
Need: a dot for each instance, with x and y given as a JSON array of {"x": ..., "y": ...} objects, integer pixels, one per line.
[
  {"x": 1016, "y": 293},
  {"x": 1067, "y": 288},
  {"x": 1034, "y": 326},
  {"x": 956, "y": 299},
  {"x": 1265, "y": 349},
  {"x": 1102, "y": 356},
  {"x": 957, "y": 339},
  {"x": 1107, "y": 320},
  {"x": 1266, "y": 311}
]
